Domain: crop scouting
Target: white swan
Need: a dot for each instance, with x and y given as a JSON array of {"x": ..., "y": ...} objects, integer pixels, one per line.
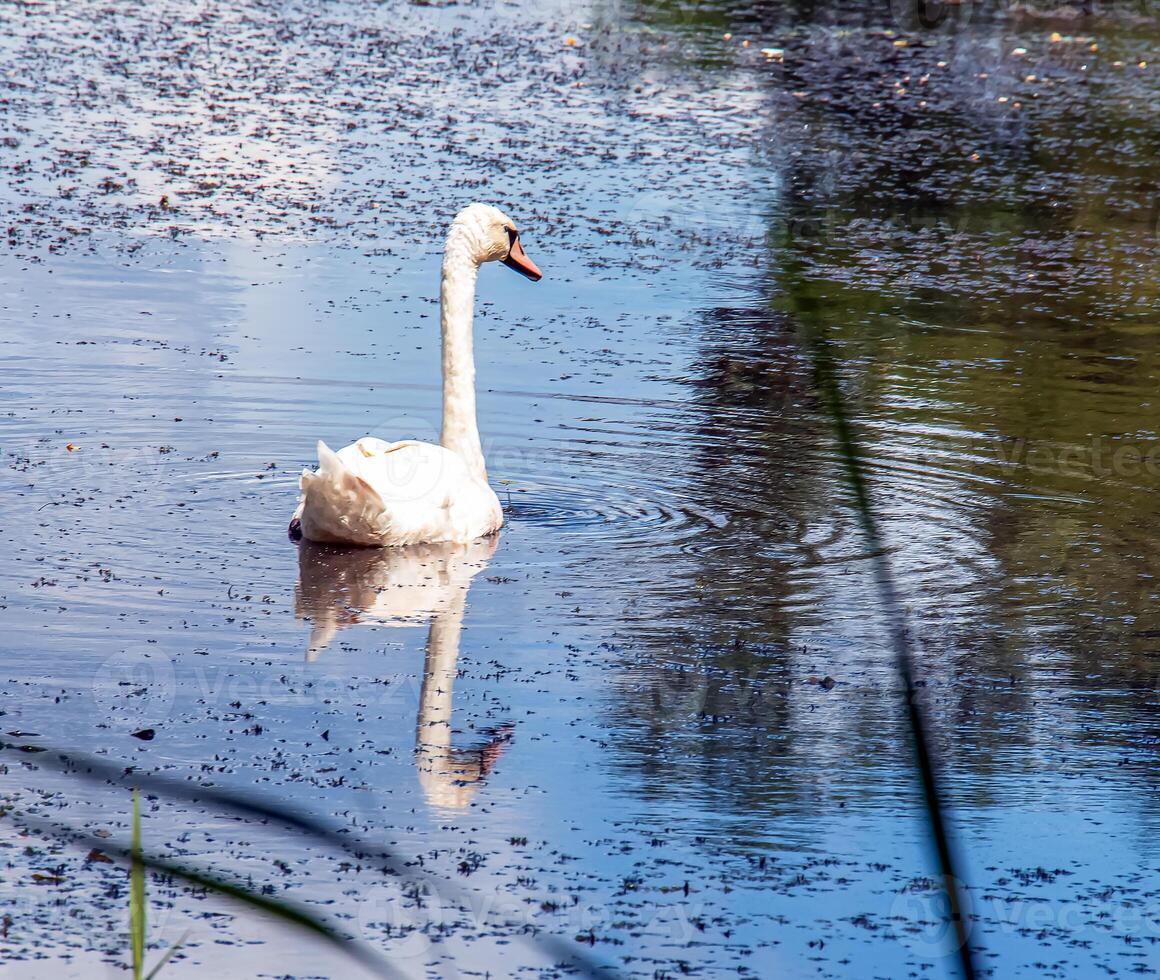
[{"x": 400, "y": 493}]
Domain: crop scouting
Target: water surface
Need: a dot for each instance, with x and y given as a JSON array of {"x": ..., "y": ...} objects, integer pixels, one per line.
[{"x": 611, "y": 722}]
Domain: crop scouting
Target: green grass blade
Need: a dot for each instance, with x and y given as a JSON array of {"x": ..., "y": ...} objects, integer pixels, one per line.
[
  {"x": 137, "y": 893},
  {"x": 97, "y": 770},
  {"x": 288, "y": 913}
]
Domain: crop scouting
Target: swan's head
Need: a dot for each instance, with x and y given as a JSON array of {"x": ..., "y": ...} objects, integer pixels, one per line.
[{"x": 493, "y": 238}]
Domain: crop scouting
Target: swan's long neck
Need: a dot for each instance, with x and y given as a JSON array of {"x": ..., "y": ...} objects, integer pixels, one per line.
[{"x": 456, "y": 305}]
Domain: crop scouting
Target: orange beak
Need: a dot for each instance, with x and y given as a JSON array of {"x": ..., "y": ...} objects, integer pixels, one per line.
[{"x": 518, "y": 259}]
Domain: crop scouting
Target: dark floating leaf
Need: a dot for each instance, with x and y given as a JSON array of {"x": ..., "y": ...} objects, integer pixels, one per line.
[{"x": 146, "y": 734}]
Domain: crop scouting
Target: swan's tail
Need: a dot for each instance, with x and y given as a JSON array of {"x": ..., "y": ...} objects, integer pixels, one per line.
[{"x": 337, "y": 506}]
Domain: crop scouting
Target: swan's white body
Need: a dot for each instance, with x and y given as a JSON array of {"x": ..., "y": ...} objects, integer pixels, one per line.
[
  {"x": 402, "y": 493},
  {"x": 395, "y": 493}
]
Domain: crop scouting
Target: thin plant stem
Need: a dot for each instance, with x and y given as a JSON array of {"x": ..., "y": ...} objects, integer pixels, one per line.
[
  {"x": 137, "y": 893},
  {"x": 287, "y": 912},
  {"x": 98, "y": 770},
  {"x": 935, "y": 806}
]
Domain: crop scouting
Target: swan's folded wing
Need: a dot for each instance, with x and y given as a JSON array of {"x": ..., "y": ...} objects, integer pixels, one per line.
[
  {"x": 424, "y": 488},
  {"x": 406, "y": 473},
  {"x": 338, "y": 504}
]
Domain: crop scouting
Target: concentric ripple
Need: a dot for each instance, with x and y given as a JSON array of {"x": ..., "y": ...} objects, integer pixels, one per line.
[{"x": 595, "y": 511}]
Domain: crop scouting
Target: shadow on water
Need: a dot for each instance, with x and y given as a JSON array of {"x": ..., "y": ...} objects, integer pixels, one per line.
[
  {"x": 971, "y": 211},
  {"x": 971, "y": 215}
]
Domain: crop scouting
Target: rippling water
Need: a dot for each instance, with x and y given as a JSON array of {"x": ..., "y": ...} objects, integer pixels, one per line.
[{"x": 657, "y": 713}]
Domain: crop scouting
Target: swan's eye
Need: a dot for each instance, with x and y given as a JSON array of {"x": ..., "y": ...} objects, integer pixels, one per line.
[{"x": 513, "y": 236}]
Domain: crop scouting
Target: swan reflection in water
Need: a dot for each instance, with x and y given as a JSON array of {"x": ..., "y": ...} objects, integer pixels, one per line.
[{"x": 407, "y": 587}]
